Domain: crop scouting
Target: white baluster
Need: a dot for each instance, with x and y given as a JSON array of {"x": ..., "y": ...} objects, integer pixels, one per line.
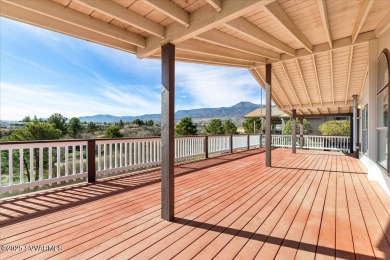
[{"x": 21, "y": 166}]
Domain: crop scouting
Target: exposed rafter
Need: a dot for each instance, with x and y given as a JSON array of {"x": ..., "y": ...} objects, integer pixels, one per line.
[
  {"x": 349, "y": 74},
  {"x": 171, "y": 10},
  {"x": 250, "y": 30},
  {"x": 277, "y": 13},
  {"x": 281, "y": 88},
  {"x": 126, "y": 16},
  {"x": 202, "y": 20},
  {"x": 363, "y": 38},
  {"x": 303, "y": 80},
  {"x": 331, "y": 75},
  {"x": 325, "y": 20},
  {"x": 223, "y": 39},
  {"x": 197, "y": 46},
  {"x": 217, "y": 4},
  {"x": 290, "y": 82},
  {"x": 364, "y": 83},
  {"x": 67, "y": 15},
  {"x": 262, "y": 77},
  {"x": 261, "y": 82},
  {"x": 383, "y": 25},
  {"x": 317, "y": 79},
  {"x": 364, "y": 10},
  {"x": 318, "y": 105},
  {"x": 36, "y": 19}
]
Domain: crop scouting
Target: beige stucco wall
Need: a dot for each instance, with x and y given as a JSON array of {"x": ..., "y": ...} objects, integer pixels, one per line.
[{"x": 375, "y": 172}]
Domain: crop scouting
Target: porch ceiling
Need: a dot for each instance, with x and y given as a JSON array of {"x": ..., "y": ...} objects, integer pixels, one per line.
[{"x": 319, "y": 49}]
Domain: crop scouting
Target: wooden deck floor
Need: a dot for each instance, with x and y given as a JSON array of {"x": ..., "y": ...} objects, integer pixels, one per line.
[{"x": 308, "y": 205}]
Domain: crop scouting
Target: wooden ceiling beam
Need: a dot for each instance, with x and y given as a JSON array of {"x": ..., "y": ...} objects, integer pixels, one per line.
[
  {"x": 186, "y": 56},
  {"x": 67, "y": 15},
  {"x": 303, "y": 80},
  {"x": 197, "y": 46},
  {"x": 325, "y": 20},
  {"x": 349, "y": 74},
  {"x": 363, "y": 13},
  {"x": 383, "y": 26},
  {"x": 277, "y": 13},
  {"x": 290, "y": 82},
  {"x": 126, "y": 16},
  {"x": 223, "y": 39},
  {"x": 317, "y": 79},
  {"x": 202, "y": 20},
  {"x": 250, "y": 30},
  {"x": 363, "y": 38},
  {"x": 216, "y": 4},
  {"x": 171, "y": 10},
  {"x": 30, "y": 17},
  {"x": 319, "y": 105}
]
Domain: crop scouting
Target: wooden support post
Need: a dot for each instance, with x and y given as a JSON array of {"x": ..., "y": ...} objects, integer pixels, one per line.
[
  {"x": 248, "y": 142},
  {"x": 351, "y": 134},
  {"x": 301, "y": 140},
  {"x": 231, "y": 143},
  {"x": 91, "y": 161},
  {"x": 206, "y": 147},
  {"x": 355, "y": 126},
  {"x": 268, "y": 75},
  {"x": 294, "y": 131},
  {"x": 167, "y": 131}
]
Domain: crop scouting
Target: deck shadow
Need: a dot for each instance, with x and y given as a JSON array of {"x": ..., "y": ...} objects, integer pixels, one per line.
[
  {"x": 327, "y": 251},
  {"x": 108, "y": 186}
]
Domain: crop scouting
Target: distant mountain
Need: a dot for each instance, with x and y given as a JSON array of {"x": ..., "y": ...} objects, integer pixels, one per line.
[{"x": 237, "y": 111}]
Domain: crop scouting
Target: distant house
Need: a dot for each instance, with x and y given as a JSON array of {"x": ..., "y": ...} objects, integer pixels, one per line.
[
  {"x": 278, "y": 119},
  {"x": 12, "y": 124}
]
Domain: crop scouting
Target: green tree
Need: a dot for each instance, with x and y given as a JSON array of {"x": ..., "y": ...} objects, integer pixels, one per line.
[
  {"x": 287, "y": 128},
  {"x": 149, "y": 122},
  {"x": 59, "y": 121},
  {"x": 186, "y": 127},
  {"x": 34, "y": 130},
  {"x": 121, "y": 124},
  {"x": 138, "y": 122},
  {"x": 229, "y": 128},
  {"x": 335, "y": 127},
  {"x": 26, "y": 119},
  {"x": 248, "y": 125},
  {"x": 215, "y": 127},
  {"x": 74, "y": 127},
  {"x": 92, "y": 127},
  {"x": 113, "y": 132}
]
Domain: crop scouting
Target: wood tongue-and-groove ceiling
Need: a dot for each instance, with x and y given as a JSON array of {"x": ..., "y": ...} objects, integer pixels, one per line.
[{"x": 318, "y": 48}]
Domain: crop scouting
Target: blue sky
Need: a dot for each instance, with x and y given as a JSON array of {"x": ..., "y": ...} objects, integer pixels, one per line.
[{"x": 44, "y": 72}]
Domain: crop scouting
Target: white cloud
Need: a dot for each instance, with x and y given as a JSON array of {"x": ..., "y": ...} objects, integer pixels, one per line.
[
  {"x": 18, "y": 101},
  {"x": 214, "y": 86}
]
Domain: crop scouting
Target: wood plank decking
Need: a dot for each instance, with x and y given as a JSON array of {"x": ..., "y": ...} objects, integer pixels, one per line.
[{"x": 308, "y": 205}]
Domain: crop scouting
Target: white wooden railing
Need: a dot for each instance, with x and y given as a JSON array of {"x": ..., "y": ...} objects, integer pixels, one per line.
[
  {"x": 35, "y": 164},
  {"x": 334, "y": 143}
]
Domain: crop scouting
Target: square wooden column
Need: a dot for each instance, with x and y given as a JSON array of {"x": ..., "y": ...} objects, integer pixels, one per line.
[
  {"x": 167, "y": 131},
  {"x": 294, "y": 131},
  {"x": 301, "y": 140},
  {"x": 355, "y": 127},
  {"x": 268, "y": 75}
]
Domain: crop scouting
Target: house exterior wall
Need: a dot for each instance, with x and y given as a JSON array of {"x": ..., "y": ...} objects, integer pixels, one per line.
[{"x": 369, "y": 96}]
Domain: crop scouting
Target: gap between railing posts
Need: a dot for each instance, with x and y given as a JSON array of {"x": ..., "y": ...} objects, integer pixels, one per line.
[{"x": 91, "y": 161}]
